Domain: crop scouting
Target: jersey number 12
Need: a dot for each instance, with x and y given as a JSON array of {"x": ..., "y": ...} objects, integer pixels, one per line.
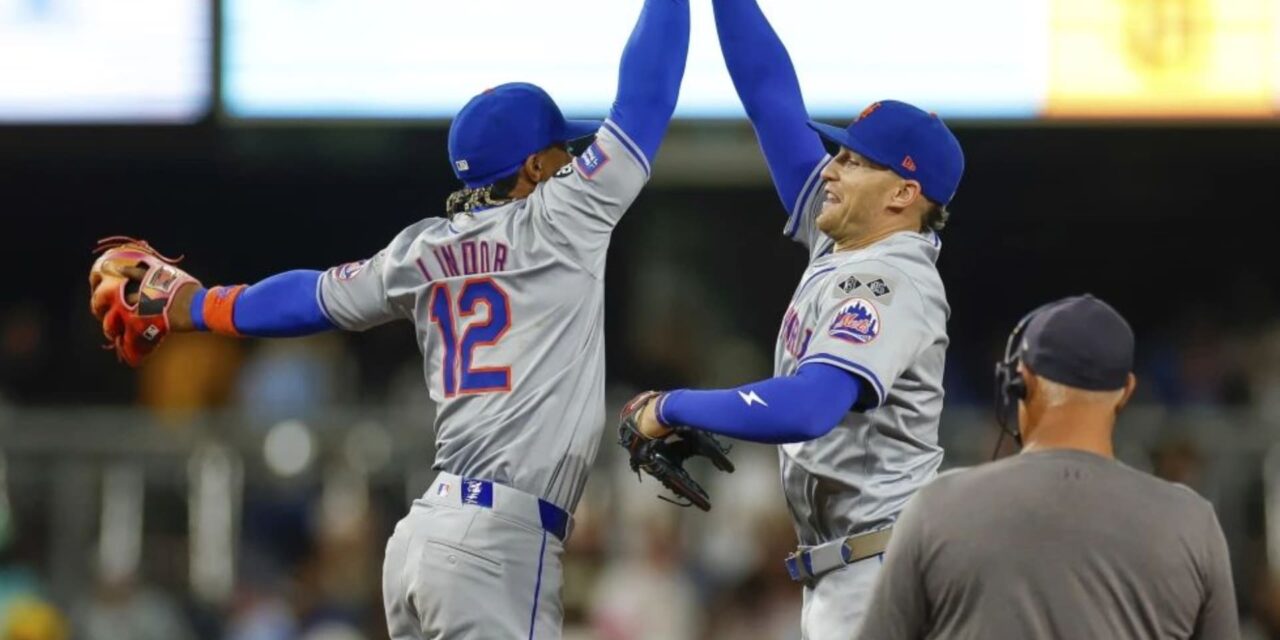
[{"x": 459, "y": 376}]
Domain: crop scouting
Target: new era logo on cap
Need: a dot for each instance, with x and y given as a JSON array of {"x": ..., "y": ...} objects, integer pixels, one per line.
[{"x": 908, "y": 164}]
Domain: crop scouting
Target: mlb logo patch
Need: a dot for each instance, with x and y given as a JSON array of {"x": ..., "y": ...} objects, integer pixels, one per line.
[
  {"x": 462, "y": 165},
  {"x": 442, "y": 489},
  {"x": 477, "y": 492},
  {"x": 858, "y": 322},
  {"x": 592, "y": 160}
]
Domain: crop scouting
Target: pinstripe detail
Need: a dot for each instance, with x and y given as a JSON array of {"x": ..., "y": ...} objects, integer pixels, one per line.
[{"x": 537, "y": 589}]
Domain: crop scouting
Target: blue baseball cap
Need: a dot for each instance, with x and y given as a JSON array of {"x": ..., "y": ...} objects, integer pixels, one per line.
[
  {"x": 911, "y": 142},
  {"x": 1081, "y": 342},
  {"x": 496, "y": 130}
]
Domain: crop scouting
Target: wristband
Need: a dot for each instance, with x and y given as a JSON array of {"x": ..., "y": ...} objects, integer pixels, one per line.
[{"x": 218, "y": 308}]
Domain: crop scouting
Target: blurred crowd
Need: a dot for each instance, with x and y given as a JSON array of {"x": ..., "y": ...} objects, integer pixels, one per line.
[{"x": 308, "y": 554}]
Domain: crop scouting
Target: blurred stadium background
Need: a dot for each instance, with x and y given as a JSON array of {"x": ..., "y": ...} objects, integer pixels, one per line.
[{"x": 244, "y": 490}]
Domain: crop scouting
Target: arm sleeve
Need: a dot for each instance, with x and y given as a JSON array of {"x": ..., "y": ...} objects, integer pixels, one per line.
[
  {"x": 282, "y": 306},
  {"x": 650, "y": 72},
  {"x": 1218, "y": 615},
  {"x": 778, "y": 410},
  {"x": 899, "y": 606},
  {"x": 766, "y": 83}
]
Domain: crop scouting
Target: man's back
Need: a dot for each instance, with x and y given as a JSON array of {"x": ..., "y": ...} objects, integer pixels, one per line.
[
  {"x": 1056, "y": 544},
  {"x": 508, "y": 306}
]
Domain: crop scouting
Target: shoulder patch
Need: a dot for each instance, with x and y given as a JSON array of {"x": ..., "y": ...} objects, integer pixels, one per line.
[
  {"x": 864, "y": 284},
  {"x": 349, "y": 270},
  {"x": 879, "y": 288},
  {"x": 871, "y": 286},
  {"x": 592, "y": 160},
  {"x": 848, "y": 284},
  {"x": 857, "y": 321}
]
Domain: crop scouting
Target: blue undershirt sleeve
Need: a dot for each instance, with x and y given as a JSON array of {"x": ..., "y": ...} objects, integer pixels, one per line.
[
  {"x": 282, "y": 306},
  {"x": 650, "y": 73},
  {"x": 767, "y": 85},
  {"x": 794, "y": 408}
]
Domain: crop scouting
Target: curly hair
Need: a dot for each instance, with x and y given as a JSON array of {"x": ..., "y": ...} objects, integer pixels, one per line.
[
  {"x": 490, "y": 195},
  {"x": 935, "y": 219}
]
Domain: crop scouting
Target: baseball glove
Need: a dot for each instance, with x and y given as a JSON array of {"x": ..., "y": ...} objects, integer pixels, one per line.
[
  {"x": 131, "y": 287},
  {"x": 664, "y": 458}
]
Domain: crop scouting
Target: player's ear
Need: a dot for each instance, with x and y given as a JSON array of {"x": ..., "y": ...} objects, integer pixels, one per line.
[
  {"x": 1129, "y": 386},
  {"x": 907, "y": 193},
  {"x": 533, "y": 167}
]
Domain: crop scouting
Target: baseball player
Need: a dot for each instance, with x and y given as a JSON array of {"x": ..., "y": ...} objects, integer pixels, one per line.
[
  {"x": 858, "y": 365},
  {"x": 1064, "y": 541},
  {"x": 506, "y": 297}
]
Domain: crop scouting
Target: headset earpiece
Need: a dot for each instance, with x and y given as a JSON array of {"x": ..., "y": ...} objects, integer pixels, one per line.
[
  {"x": 1010, "y": 385},
  {"x": 1017, "y": 387}
]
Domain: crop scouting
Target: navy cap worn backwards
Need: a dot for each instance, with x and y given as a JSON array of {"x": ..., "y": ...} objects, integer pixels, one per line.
[
  {"x": 1081, "y": 342},
  {"x": 495, "y": 131},
  {"x": 915, "y": 144}
]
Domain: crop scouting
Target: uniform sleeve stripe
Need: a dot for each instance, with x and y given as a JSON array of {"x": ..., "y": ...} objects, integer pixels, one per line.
[
  {"x": 793, "y": 222},
  {"x": 815, "y": 275},
  {"x": 320, "y": 300},
  {"x": 628, "y": 145},
  {"x": 851, "y": 367}
]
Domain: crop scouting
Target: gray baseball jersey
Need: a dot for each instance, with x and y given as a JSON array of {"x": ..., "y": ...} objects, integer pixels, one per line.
[
  {"x": 508, "y": 307},
  {"x": 879, "y": 313},
  {"x": 1054, "y": 544}
]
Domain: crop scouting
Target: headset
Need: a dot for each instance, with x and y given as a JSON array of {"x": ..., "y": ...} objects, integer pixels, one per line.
[{"x": 1010, "y": 386}]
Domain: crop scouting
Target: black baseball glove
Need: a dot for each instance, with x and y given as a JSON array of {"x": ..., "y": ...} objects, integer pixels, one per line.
[{"x": 664, "y": 458}]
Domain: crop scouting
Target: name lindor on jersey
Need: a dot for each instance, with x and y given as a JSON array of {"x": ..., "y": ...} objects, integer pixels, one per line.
[{"x": 472, "y": 257}]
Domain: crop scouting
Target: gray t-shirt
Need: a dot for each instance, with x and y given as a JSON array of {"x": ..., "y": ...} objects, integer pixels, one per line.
[
  {"x": 1054, "y": 544},
  {"x": 880, "y": 313},
  {"x": 508, "y": 307}
]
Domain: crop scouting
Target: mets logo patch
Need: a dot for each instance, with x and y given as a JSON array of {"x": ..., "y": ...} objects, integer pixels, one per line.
[
  {"x": 858, "y": 321},
  {"x": 349, "y": 270},
  {"x": 477, "y": 492},
  {"x": 592, "y": 160}
]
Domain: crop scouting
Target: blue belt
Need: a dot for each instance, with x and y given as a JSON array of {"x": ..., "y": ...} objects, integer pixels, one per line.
[{"x": 500, "y": 498}]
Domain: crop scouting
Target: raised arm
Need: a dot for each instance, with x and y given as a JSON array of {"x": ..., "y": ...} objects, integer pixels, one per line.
[
  {"x": 766, "y": 83},
  {"x": 650, "y": 73}
]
